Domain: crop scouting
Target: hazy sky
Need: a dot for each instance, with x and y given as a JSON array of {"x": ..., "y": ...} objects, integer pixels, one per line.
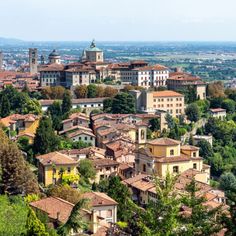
[{"x": 121, "y": 20}]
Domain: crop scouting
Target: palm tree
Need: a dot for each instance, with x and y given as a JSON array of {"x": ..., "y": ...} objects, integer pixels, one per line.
[{"x": 75, "y": 221}]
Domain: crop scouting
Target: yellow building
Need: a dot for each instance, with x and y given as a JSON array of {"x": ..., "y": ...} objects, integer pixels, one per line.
[
  {"x": 166, "y": 155},
  {"x": 25, "y": 125},
  {"x": 52, "y": 165},
  {"x": 153, "y": 101}
]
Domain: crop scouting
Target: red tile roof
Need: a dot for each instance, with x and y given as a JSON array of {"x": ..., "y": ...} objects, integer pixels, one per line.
[
  {"x": 99, "y": 199},
  {"x": 56, "y": 158}
]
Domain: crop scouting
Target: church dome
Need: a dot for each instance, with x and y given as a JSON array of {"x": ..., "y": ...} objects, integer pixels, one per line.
[{"x": 54, "y": 53}]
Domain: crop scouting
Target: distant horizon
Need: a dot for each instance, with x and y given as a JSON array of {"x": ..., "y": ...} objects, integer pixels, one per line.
[{"x": 118, "y": 41}]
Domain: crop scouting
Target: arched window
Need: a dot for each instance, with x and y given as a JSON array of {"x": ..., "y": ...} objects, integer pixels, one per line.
[{"x": 142, "y": 134}]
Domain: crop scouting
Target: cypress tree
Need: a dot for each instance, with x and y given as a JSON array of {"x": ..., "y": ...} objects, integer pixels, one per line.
[
  {"x": 45, "y": 139},
  {"x": 66, "y": 103},
  {"x": 5, "y": 106}
]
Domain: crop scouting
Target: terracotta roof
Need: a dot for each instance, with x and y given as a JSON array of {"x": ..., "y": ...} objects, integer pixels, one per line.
[
  {"x": 189, "y": 148},
  {"x": 153, "y": 67},
  {"x": 106, "y": 131},
  {"x": 180, "y": 158},
  {"x": 218, "y": 110},
  {"x": 52, "y": 67},
  {"x": 164, "y": 142},
  {"x": 56, "y": 158},
  {"x": 99, "y": 199},
  {"x": 76, "y": 127},
  {"x": 104, "y": 162},
  {"x": 15, "y": 117},
  {"x": 167, "y": 93},
  {"x": 56, "y": 208},
  {"x": 79, "y": 132}
]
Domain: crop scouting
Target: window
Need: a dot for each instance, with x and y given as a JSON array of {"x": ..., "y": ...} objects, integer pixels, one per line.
[
  {"x": 109, "y": 214},
  {"x": 68, "y": 169},
  {"x": 85, "y": 138},
  {"x": 150, "y": 149},
  {"x": 172, "y": 152},
  {"x": 91, "y": 138},
  {"x": 175, "y": 169},
  {"x": 108, "y": 168},
  {"x": 144, "y": 168},
  {"x": 194, "y": 154},
  {"x": 194, "y": 165}
]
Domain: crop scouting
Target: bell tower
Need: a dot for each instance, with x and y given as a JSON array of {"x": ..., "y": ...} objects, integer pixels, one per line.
[{"x": 33, "y": 60}]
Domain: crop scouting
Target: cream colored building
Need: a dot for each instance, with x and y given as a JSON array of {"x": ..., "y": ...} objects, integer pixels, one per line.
[
  {"x": 166, "y": 155},
  {"x": 150, "y": 76},
  {"x": 103, "y": 206},
  {"x": 218, "y": 113},
  {"x": 93, "y": 54},
  {"x": 167, "y": 101},
  {"x": 182, "y": 81}
]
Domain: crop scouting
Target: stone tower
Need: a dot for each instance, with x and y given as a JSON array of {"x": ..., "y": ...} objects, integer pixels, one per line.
[
  {"x": 93, "y": 53},
  {"x": 1, "y": 60},
  {"x": 33, "y": 60}
]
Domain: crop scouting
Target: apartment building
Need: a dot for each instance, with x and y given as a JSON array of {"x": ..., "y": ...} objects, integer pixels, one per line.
[
  {"x": 181, "y": 81},
  {"x": 153, "y": 101}
]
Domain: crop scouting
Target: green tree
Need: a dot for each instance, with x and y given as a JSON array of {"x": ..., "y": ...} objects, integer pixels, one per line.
[
  {"x": 170, "y": 121},
  {"x": 121, "y": 194},
  {"x": 202, "y": 220},
  {"x": 13, "y": 215},
  {"x": 162, "y": 215},
  {"x": 16, "y": 176},
  {"x": 75, "y": 221},
  {"x": 123, "y": 103},
  {"x": 229, "y": 105},
  {"x": 4, "y": 106},
  {"x": 56, "y": 114},
  {"x": 34, "y": 227},
  {"x": 192, "y": 112},
  {"x": 228, "y": 182},
  {"x": 92, "y": 91},
  {"x": 65, "y": 192},
  {"x": 81, "y": 91},
  {"x": 107, "y": 105},
  {"x": 155, "y": 124},
  {"x": 66, "y": 103},
  {"x": 206, "y": 150},
  {"x": 87, "y": 170},
  {"x": 45, "y": 138}
]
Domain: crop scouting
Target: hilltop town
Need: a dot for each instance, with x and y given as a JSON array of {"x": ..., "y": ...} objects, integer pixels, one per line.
[{"x": 97, "y": 147}]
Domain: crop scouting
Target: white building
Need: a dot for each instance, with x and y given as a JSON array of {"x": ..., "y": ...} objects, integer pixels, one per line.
[{"x": 147, "y": 76}]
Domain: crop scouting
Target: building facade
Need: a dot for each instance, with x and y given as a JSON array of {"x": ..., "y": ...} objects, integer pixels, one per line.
[{"x": 183, "y": 81}]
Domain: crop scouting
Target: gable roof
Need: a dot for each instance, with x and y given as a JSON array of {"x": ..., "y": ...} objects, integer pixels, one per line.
[
  {"x": 56, "y": 208},
  {"x": 99, "y": 199},
  {"x": 56, "y": 158},
  {"x": 164, "y": 142}
]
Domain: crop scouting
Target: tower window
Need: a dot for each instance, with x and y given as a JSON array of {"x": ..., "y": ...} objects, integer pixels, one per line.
[{"x": 144, "y": 168}]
